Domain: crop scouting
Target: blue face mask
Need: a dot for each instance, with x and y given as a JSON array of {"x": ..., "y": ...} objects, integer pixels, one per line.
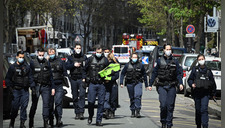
[
  {"x": 134, "y": 60},
  {"x": 20, "y": 60},
  {"x": 98, "y": 54},
  {"x": 52, "y": 56}
]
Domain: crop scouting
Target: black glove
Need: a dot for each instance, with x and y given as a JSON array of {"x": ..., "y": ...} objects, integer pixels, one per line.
[
  {"x": 33, "y": 90},
  {"x": 84, "y": 85},
  {"x": 112, "y": 73},
  {"x": 10, "y": 90}
]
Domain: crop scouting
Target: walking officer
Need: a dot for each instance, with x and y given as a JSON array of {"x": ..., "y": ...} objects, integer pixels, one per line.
[
  {"x": 169, "y": 74},
  {"x": 96, "y": 63},
  {"x": 111, "y": 95},
  {"x": 203, "y": 86},
  {"x": 18, "y": 79},
  {"x": 44, "y": 86},
  {"x": 134, "y": 74},
  {"x": 58, "y": 73},
  {"x": 76, "y": 65}
]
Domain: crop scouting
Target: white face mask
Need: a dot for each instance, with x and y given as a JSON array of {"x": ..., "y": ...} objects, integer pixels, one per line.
[
  {"x": 40, "y": 57},
  {"x": 106, "y": 54},
  {"x": 201, "y": 62},
  {"x": 168, "y": 53},
  {"x": 78, "y": 51}
]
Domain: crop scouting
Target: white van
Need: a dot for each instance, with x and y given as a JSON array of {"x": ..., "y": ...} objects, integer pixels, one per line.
[{"x": 122, "y": 53}]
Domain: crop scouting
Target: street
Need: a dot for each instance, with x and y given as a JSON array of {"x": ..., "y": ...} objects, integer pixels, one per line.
[{"x": 183, "y": 114}]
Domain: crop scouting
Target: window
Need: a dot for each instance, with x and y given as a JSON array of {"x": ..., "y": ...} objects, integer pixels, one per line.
[{"x": 189, "y": 61}]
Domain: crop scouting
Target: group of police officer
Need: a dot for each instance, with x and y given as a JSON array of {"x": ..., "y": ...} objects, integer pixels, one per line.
[{"x": 45, "y": 77}]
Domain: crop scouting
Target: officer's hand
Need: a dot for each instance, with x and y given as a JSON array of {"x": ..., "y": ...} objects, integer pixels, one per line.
[
  {"x": 181, "y": 87},
  {"x": 53, "y": 92},
  {"x": 193, "y": 85},
  {"x": 121, "y": 85},
  {"x": 149, "y": 88},
  {"x": 33, "y": 90},
  {"x": 84, "y": 85},
  {"x": 106, "y": 81},
  {"x": 77, "y": 64}
]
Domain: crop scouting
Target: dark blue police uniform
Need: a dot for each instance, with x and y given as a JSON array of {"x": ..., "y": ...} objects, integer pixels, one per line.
[
  {"x": 135, "y": 74},
  {"x": 76, "y": 76},
  {"x": 111, "y": 95},
  {"x": 205, "y": 87},
  {"x": 58, "y": 72},
  {"x": 96, "y": 86},
  {"x": 19, "y": 78},
  {"x": 44, "y": 84},
  {"x": 169, "y": 74}
]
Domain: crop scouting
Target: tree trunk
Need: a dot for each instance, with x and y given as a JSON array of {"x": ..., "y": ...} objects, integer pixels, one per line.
[
  {"x": 200, "y": 30},
  {"x": 181, "y": 40}
]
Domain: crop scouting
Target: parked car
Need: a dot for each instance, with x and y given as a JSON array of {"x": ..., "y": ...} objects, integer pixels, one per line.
[
  {"x": 213, "y": 63},
  {"x": 185, "y": 62},
  {"x": 63, "y": 53},
  {"x": 90, "y": 53}
]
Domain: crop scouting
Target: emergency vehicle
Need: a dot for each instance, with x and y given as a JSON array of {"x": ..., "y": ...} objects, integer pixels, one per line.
[
  {"x": 135, "y": 41},
  {"x": 122, "y": 53}
]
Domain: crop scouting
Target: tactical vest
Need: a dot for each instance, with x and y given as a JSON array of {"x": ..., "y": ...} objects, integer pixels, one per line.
[
  {"x": 133, "y": 74},
  {"x": 57, "y": 69},
  {"x": 41, "y": 72},
  {"x": 202, "y": 79},
  {"x": 167, "y": 71},
  {"x": 94, "y": 68},
  {"x": 76, "y": 72},
  {"x": 21, "y": 76}
]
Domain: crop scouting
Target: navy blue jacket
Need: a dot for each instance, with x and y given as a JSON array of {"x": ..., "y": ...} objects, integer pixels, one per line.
[
  {"x": 41, "y": 62},
  {"x": 70, "y": 64},
  {"x": 192, "y": 78},
  {"x": 11, "y": 71},
  {"x": 179, "y": 71},
  {"x": 143, "y": 72}
]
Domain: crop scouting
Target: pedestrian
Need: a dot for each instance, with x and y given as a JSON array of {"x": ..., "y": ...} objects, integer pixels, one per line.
[
  {"x": 135, "y": 74},
  {"x": 59, "y": 72},
  {"x": 96, "y": 63},
  {"x": 76, "y": 66},
  {"x": 111, "y": 95},
  {"x": 169, "y": 74},
  {"x": 106, "y": 52},
  {"x": 44, "y": 86},
  {"x": 18, "y": 79},
  {"x": 203, "y": 86}
]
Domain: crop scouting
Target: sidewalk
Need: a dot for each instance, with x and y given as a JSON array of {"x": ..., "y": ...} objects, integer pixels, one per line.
[{"x": 215, "y": 108}]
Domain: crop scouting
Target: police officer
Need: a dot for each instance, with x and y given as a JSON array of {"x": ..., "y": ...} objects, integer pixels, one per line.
[
  {"x": 168, "y": 72},
  {"x": 111, "y": 94},
  {"x": 203, "y": 86},
  {"x": 59, "y": 72},
  {"x": 135, "y": 74},
  {"x": 44, "y": 86},
  {"x": 18, "y": 79},
  {"x": 96, "y": 63},
  {"x": 76, "y": 65}
]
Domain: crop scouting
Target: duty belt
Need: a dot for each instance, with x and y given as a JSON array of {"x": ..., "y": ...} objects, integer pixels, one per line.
[
  {"x": 166, "y": 83},
  {"x": 43, "y": 85},
  {"x": 19, "y": 87}
]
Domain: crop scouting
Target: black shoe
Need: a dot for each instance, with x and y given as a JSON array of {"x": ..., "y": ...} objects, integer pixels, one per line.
[
  {"x": 99, "y": 124},
  {"x": 107, "y": 114},
  {"x": 113, "y": 115},
  {"x": 11, "y": 124},
  {"x": 198, "y": 126},
  {"x": 77, "y": 117},
  {"x": 46, "y": 125},
  {"x": 138, "y": 115},
  {"x": 31, "y": 123},
  {"x": 205, "y": 126},
  {"x": 51, "y": 123},
  {"x": 169, "y": 126},
  {"x": 81, "y": 116},
  {"x": 132, "y": 114},
  {"x": 59, "y": 123},
  {"x": 163, "y": 125},
  {"x": 22, "y": 124},
  {"x": 110, "y": 114},
  {"x": 89, "y": 120}
]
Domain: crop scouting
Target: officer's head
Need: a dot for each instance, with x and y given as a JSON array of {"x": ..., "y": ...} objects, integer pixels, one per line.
[
  {"x": 167, "y": 49},
  {"x": 134, "y": 57},
  {"x": 201, "y": 59},
  {"x": 20, "y": 57},
  {"x": 51, "y": 53},
  {"x": 106, "y": 51},
  {"x": 77, "y": 48},
  {"x": 98, "y": 50},
  {"x": 40, "y": 53}
]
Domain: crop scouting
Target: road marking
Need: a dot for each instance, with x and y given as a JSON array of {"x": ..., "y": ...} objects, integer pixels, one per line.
[{"x": 130, "y": 121}]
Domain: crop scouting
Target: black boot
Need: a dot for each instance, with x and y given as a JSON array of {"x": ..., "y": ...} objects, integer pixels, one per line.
[
  {"x": 138, "y": 115},
  {"x": 169, "y": 126},
  {"x": 31, "y": 122},
  {"x": 198, "y": 126},
  {"x": 205, "y": 126},
  {"x": 163, "y": 125},
  {"x": 11, "y": 124},
  {"x": 77, "y": 117},
  {"x": 46, "y": 125},
  {"x": 99, "y": 124},
  {"x": 107, "y": 114},
  {"x": 132, "y": 114},
  {"x": 22, "y": 124},
  {"x": 81, "y": 116},
  {"x": 89, "y": 120},
  {"x": 59, "y": 122},
  {"x": 51, "y": 122},
  {"x": 112, "y": 115}
]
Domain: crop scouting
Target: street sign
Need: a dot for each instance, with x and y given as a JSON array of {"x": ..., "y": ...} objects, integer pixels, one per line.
[
  {"x": 190, "y": 29},
  {"x": 145, "y": 60},
  {"x": 211, "y": 24},
  {"x": 190, "y": 35},
  {"x": 77, "y": 39}
]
